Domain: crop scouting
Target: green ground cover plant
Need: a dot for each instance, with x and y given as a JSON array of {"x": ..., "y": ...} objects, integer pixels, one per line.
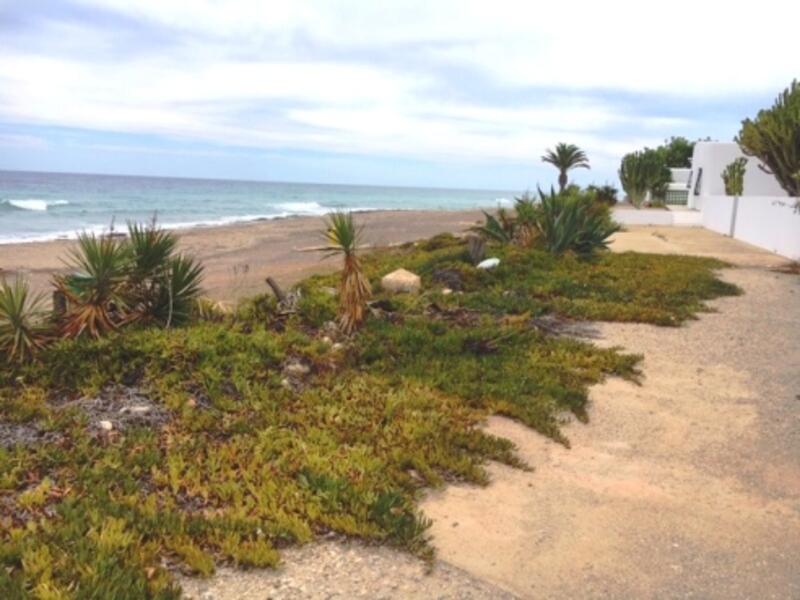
[{"x": 252, "y": 455}]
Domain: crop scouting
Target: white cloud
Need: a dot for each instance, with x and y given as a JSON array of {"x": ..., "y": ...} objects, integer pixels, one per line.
[{"x": 357, "y": 76}]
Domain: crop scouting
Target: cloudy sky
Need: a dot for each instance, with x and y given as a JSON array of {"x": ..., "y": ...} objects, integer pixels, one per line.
[{"x": 432, "y": 92}]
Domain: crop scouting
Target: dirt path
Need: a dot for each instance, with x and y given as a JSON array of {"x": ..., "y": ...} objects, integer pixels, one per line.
[{"x": 686, "y": 486}]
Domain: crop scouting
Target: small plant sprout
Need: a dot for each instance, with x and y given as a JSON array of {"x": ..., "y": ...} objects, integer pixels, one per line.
[{"x": 343, "y": 238}]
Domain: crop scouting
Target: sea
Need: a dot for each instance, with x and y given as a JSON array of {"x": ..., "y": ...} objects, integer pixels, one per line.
[{"x": 44, "y": 206}]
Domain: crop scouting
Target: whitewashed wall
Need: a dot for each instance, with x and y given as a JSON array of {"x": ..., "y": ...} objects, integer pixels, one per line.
[
  {"x": 718, "y": 214},
  {"x": 769, "y": 222},
  {"x": 645, "y": 216}
]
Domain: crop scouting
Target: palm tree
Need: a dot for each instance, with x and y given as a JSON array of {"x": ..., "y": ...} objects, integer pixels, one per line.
[
  {"x": 564, "y": 158},
  {"x": 354, "y": 290}
]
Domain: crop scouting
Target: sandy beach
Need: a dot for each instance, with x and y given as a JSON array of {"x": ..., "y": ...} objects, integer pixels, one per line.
[{"x": 237, "y": 258}]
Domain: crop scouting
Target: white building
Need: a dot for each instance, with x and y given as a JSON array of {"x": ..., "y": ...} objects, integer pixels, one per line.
[
  {"x": 709, "y": 161},
  {"x": 764, "y": 215}
]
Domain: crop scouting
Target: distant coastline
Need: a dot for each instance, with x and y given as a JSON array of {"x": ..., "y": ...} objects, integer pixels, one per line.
[{"x": 37, "y": 207}]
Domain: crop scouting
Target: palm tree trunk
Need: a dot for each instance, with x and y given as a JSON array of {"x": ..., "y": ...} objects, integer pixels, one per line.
[{"x": 562, "y": 181}]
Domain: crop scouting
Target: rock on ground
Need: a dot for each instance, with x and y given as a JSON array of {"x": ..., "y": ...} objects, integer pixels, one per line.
[{"x": 401, "y": 281}]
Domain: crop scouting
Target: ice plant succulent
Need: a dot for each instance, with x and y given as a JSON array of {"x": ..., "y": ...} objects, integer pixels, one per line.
[
  {"x": 22, "y": 331},
  {"x": 343, "y": 238}
]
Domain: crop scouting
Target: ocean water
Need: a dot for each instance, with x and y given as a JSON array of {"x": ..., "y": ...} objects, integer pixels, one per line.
[{"x": 43, "y": 206}]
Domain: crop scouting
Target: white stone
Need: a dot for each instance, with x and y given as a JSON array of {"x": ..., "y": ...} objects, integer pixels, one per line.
[
  {"x": 297, "y": 368},
  {"x": 105, "y": 425},
  {"x": 401, "y": 281},
  {"x": 489, "y": 263},
  {"x": 446, "y": 292},
  {"x": 136, "y": 410}
]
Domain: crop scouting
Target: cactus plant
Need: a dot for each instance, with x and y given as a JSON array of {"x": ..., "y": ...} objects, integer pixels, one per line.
[
  {"x": 733, "y": 177},
  {"x": 774, "y": 138},
  {"x": 642, "y": 172}
]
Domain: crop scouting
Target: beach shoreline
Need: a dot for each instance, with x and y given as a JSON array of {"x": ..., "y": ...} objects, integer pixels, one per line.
[{"x": 239, "y": 256}]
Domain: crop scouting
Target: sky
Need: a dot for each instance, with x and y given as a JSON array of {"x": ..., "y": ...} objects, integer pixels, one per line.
[{"x": 434, "y": 93}]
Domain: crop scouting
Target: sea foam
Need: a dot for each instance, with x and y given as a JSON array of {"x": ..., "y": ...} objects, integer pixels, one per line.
[{"x": 34, "y": 204}]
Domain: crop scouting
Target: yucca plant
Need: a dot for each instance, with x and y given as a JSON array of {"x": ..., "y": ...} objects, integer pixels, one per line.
[
  {"x": 566, "y": 157},
  {"x": 96, "y": 290},
  {"x": 574, "y": 223},
  {"x": 161, "y": 287},
  {"x": 178, "y": 289},
  {"x": 343, "y": 238},
  {"x": 23, "y": 329}
]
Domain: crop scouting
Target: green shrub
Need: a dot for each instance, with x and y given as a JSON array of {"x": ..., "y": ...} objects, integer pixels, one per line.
[{"x": 604, "y": 194}]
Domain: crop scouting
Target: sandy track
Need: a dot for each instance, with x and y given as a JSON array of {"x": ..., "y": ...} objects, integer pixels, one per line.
[{"x": 688, "y": 486}]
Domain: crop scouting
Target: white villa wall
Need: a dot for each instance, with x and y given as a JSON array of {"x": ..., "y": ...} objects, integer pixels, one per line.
[
  {"x": 718, "y": 214},
  {"x": 769, "y": 222},
  {"x": 713, "y": 157},
  {"x": 682, "y": 218}
]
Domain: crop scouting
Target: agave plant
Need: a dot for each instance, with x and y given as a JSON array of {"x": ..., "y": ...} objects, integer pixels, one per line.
[
  {"x": 354, "y": 290},
  {"x": 499, "y": 228},
  {"x": 96, "y": 290},
  {"x": 574, "y": 223},
  {"x": 566, "y": 157},
  {"x": 23, "y": 330}
]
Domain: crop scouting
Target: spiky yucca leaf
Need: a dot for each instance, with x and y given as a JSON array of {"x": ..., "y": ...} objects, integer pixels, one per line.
[
  {"x": 343, "y": 238},
  {"x": 22, "y": 321},
  {"x": 178, "y": 288},
  {"x": 151, "y": 249},
  {"x": 95, "y": 292}
]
